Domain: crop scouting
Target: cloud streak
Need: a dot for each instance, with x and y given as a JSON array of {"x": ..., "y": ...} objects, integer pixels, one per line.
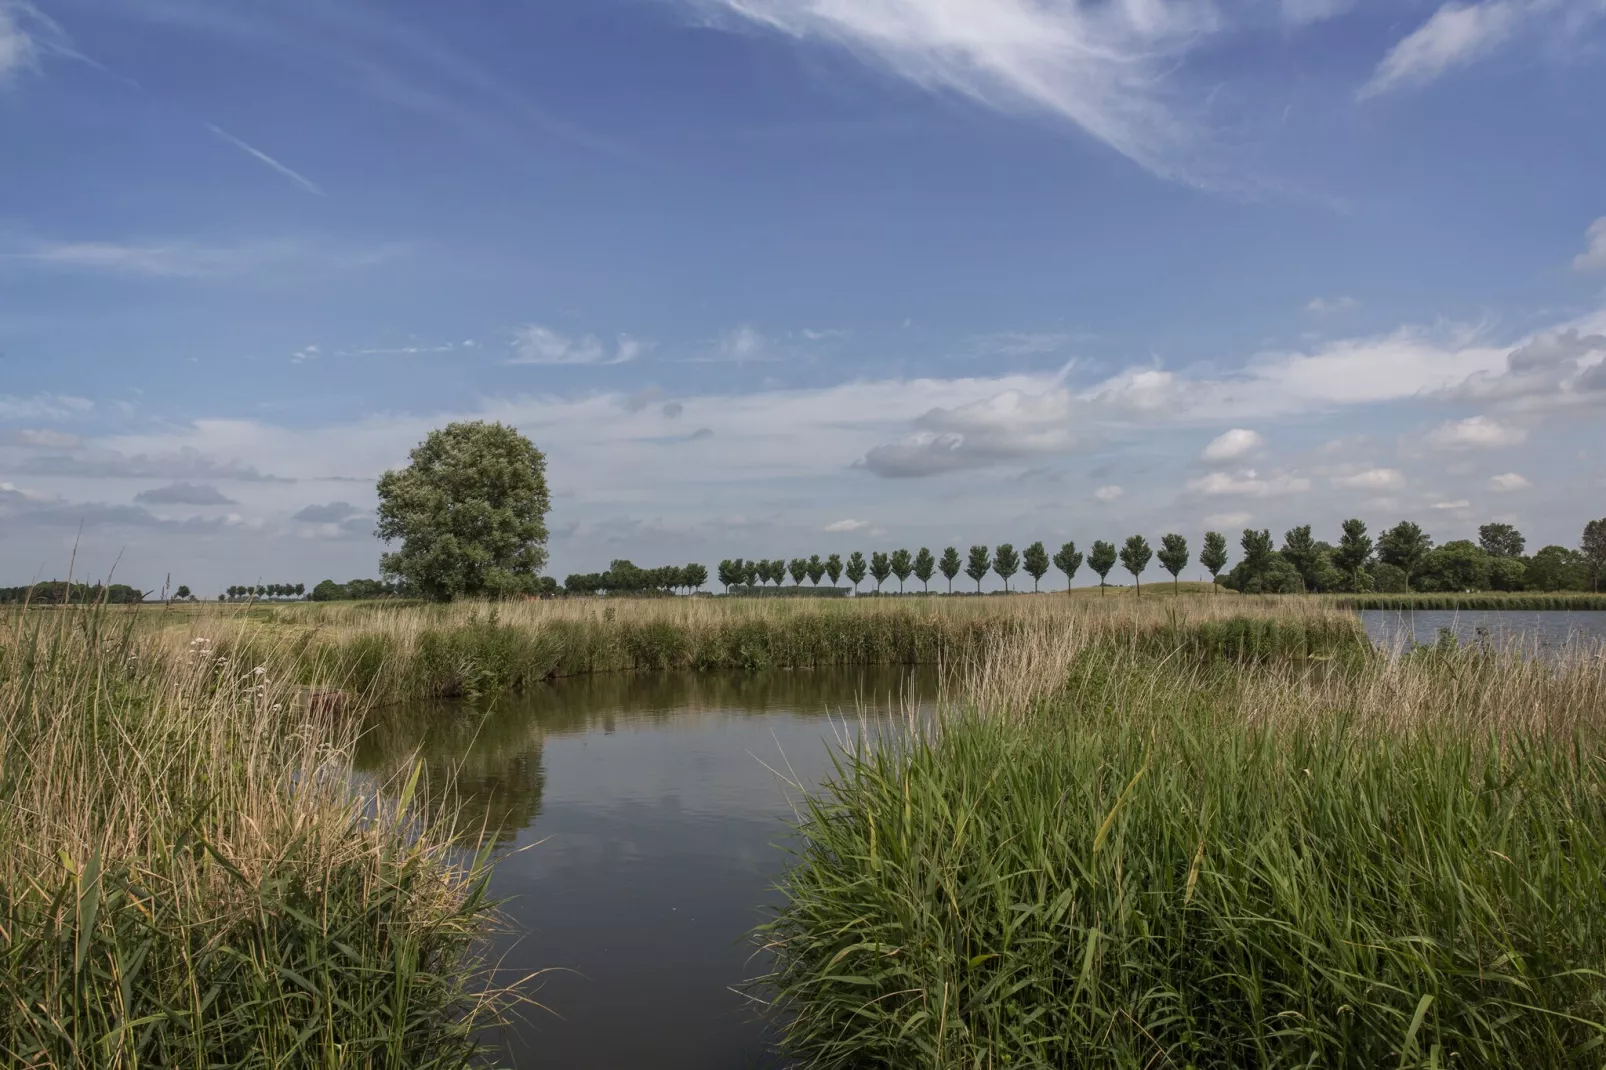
[{"x": 294, "y": 176}]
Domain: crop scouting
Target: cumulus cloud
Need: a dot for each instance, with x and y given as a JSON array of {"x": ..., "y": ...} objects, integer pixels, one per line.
[
  {"x": 1507, "y": 482},
  {"x": 1594, "y": 254},
  {"x": 1233, "y": 445},
  {"x": 1475, "y": 432},
  {"x": 328, "y": 513},
  {"x": 535, "y": 344},
  {"x": 842, "y": 527},
  {"x": 1454, "y": 36},
  {"x": 1248, "y": 483},
  {"x": 1552, "y": 367},
  {"x": 183, "y": 494},
  {"x": 1138, "y": 390},
  {"x": 1103, "y": 67},
  {"x": 1109, "y": 493},
  {"x": 1372, "y": 479},
  {"x": 1006, "y": 426}
]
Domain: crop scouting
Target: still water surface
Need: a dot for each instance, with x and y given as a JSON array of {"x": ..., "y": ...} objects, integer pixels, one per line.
[
  {"x": 658, "y": 834},
  {"x": 1541, "y": 632}
]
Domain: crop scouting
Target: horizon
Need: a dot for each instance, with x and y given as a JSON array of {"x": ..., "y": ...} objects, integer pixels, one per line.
[{"x": 785, "y": 277}]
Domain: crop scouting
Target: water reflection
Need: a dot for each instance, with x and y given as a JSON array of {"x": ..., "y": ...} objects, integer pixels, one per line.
[
  {"x": 658, "y": 819},
  {"x": 1527, "y": 632}
]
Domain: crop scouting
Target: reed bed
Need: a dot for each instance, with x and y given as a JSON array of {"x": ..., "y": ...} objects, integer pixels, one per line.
[
  {"x": 189, "y": 878},
  {"x": 1104, "y": 855},
  {"x": 398, "y": 652},
  {"x": 1475, "y": 600}
]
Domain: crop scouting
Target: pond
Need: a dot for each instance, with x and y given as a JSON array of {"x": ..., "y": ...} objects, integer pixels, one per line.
[
  {"x": 643, "y": 820},
  {"x": 1541, "y": 632}
]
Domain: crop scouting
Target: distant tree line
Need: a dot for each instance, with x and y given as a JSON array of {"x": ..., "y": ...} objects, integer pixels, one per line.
[
  {"x": 624, "y": 577},
  {"x": 330, "y": 591},
  {"x": 260, "y": 591},
  {"x": 60, "y": 592}
]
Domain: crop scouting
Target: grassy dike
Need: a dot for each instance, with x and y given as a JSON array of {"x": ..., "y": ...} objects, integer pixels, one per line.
[
  {"x": 394, "y": 653},
  {"x": 188, "y": 877},
  {"x": 1106, "y": 856}
]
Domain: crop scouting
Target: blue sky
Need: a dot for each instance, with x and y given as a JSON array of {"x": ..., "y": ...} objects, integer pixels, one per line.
[{"x": 777, "y": 277}]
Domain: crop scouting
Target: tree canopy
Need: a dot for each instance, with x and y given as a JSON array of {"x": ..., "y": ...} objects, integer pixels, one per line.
[{"x": 469, "y": 511}]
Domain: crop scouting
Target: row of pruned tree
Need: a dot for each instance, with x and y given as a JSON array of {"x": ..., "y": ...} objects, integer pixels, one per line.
[
  {"x": 246, "y": 592},
  {"x": 624, "y": 577}
]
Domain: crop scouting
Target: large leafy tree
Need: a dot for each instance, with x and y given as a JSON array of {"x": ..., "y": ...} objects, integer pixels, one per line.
[
  {"x": 978, "y": 564},
  {"x": 949, "y": 566},
  {"x": 757, "y": 571},
  {"x": 1068, "y": 560},
  {"x": 1460, "y": 565},
  {"x": 1006, "y": 562},
  {"x": 1214, "y": 555},
  {"x": 1304, "y": 553},
  {"x": 469, "y": 511},
  {"x": 1556, "y": 568},
  {"x": 1135, "y": 555},
  {"x": 1405, "y": 546},
  {"x": 1354, "y": 550},
  {"x": 799, "y": 568},
  {"x": 856, "y": 570},
  {"x": 695, "y": 576},
  {"x": 1035, "y": 561},
  {"x": 925, "y": 565},
  {"x": 1501, "y": 540},
  {"x": 816, "y": 569},
  {"x": 1173, "y": 556},
  {"x": 833, "y": 568},
  {"x": 903, "y": 563},
  {"x": 1101, "y": 559},
  {"x": 1593, "y": 547}
]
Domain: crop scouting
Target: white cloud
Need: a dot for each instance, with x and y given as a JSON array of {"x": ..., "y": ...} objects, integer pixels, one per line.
[
  {"x": 1137, "y": 390},
  {"x": 1302, "y": 12},
  {"x": 1021, "y": 343},
  {"x": 1507, "y": 482},
  {"x": 845, "y": 526},
  {"x": 1227, "y": 520},
  {"x": 1109, "y": 494},
  {"x": 1594, "y": 254},
  {"x": 1372, "y": 479},
  {"x": 1454, "y": 36},
  {"x": 743, "y": 343},
  {"x": 534, "y": 344},
  {"x": 1323, "y": 306},
  {"x": 42, "y": 406},
  {"x": 1475, "y": 432},
  {"x": 17, "y": 48},
  {"x": 191, "y": 260},
  {"x": 1459, "y": 503},
  {"x": 47, "y": 439},
  {"x": 1103, "y": 67},
  {"x": 183, "y": 494},
  {"x": 294, "y": 176},
  {"x": 1248, "y": 484},
  {"x": 1005, "y": 426},
  {"x": 1233, "y": 445}
]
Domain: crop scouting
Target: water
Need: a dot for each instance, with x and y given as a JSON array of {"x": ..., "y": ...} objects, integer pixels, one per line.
[
  {"x": 1547, "y": 631},
  {"x": 656, "y": 830}
]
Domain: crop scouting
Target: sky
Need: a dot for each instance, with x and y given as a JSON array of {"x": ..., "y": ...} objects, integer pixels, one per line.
[{"x": 779, "y": 277}]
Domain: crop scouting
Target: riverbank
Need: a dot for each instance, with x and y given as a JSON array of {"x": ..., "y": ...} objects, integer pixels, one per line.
[
  {"x": 1104, "y": 857},
  {"x": 189, "y": 877},
  {"x": 1487, "y": 601},
  {"x": 397, "y": 653}
]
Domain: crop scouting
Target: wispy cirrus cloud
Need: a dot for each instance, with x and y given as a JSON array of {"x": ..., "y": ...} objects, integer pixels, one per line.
[
  {"x": 17, "y": 48},
  {"x": 190, "y": 259},
  {"x": 294, "y": 176},
  {"x": 1104, "y": 67},
  {"x": 535, "y": 344}
]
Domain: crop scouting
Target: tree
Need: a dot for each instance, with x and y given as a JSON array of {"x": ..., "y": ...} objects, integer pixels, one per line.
[
  {"x": 1354, "y": 550},
  {"x": 902, "y": 564},
  {"x": 469, "y": 511},
  {"x": 1135, "y": 555},
  {"x": 833, "y": 568},
  {"x": 925, "y": 565},
  {"x": 1214, "y": 555},
  {"x": 1101, "y": 560},
  {"x": 1556, "y": 568},
  {"x": 182, "y": 594},
  {"x": 695, "y": 576},
  {"x": 1387, "y": 579},
  {"x": 1300, "y": 550},
  {"x": 301, "y": 588},
  {"x": 1174, "y": 557},
  {"x": 729, "y": 574},
  {"x": 1507, "y": 573},
  {"x": 756, "y": 574},
  {"x": 978, "y": 565},
  {"x": 1006, "y": 562},
  {"x": 816, "y": 569},
  {"x": 1593, "y": 547},
  {"x": 1035, "y": 562},
  {"x": 1257, "y": 549},
  {"x": 1404, "y": 546},
  {"x": 1501, "y": 540},
  {"x": 855, "y": 569},
  {"x": 949, "y": 566},
  {"x": 1068, "y": 560},
  {"x": 880, "y": 568},
  {"x": 799, "y": 568},
  {"x": 328, "y": 591},
  {"x": 1461, "y": 565}
]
